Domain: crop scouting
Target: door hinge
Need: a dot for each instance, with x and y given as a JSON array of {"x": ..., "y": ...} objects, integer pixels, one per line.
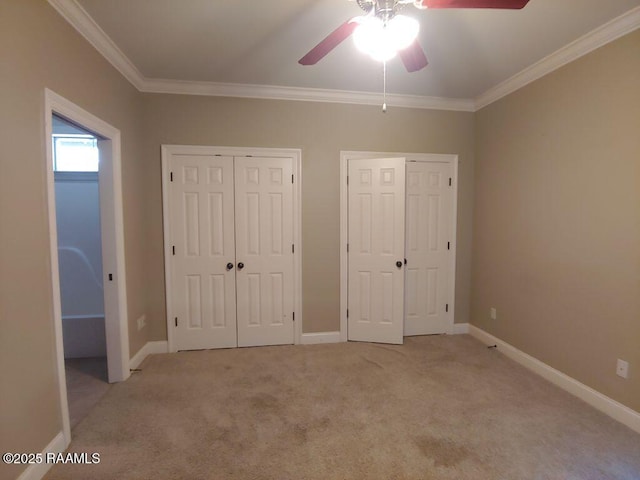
[
  {"x": 111, "y": 277},
  {"x": 347, "y": 248},
  {"x": 448, "y": 245},
  {"x": 294, "y": 316},
  {"x": 449, "y": 181},
  {"x": 446, "y": 308},
  {"x": 171, "y": 176},
  {"x": 176, "y": 321},
  {"x": 291, "y": 178},
  {"x": 173, "y": 249},
  {"x": 347, "y": 179},
  {"x": 293, "y": 248},
  {"x": 347, "y": 313}
]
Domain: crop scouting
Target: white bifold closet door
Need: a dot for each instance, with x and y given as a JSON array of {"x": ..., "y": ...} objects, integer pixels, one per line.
[
  {"x": 376, "y": 250},
  {"x": 264, "y": 239},
  {"x": 232, "y": 263},
  {"x": 203, "y": 238},
  {"x": 428, "y": 229}
]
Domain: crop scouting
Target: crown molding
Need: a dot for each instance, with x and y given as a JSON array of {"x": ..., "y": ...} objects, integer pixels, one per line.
[
  {"x": 272, "y": 92},
  {"x": 79, "y": 19},
  {"x": 610, "y": 31}
]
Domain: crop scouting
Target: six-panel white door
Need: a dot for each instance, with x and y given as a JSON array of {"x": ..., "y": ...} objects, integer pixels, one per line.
[
  {"x": 264, "y": 243},
  {"x": 376, "y": 249},
  {"x": 428, "y": 217},
  {"x": 203, "y": 256}
]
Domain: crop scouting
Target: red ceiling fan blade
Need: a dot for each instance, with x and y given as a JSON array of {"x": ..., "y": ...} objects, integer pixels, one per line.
[
  {"x": 329, "y": 43},
  {"x": 506, "y": 4},
  {"x": 413, "y": 57}
]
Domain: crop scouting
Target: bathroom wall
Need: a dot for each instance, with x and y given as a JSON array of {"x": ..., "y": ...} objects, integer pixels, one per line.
[{"x": 80, "y": 262}]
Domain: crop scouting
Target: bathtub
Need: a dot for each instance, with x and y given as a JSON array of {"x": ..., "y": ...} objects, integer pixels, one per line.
[{"x": 84, "y": 336}]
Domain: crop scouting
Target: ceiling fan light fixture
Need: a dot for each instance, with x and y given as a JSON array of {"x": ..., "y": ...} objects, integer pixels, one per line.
[{"x": 383, "y": 41}]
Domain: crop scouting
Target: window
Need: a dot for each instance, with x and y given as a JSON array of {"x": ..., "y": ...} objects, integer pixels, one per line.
[{"x": 75, "y": 153}]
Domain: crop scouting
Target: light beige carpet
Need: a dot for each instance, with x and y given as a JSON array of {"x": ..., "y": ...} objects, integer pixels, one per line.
[{"x": 440, "y": 407}]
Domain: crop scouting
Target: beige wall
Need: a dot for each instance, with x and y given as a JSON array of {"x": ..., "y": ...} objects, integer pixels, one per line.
[
  {"x": 557, "y": 219},
  {"x": 321, "y": 130},
  {"x": 39, "y": 49}
]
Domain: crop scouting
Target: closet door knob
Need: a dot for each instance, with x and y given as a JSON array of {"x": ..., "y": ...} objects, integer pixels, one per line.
[
  {"x": 240, "y": 266},
  {"x": 399, "y": 264},
  {"x": 229, "y": 266}
]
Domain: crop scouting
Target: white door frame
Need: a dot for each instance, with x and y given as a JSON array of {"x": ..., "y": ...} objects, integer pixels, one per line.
[
  {"x": 296, "y": 155},
  {"x": 345, "y": 156},
  {"x": 116, "y": 324}
]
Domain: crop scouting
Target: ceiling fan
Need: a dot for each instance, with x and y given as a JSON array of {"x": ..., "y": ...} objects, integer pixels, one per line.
[{"x": 382, "y": 31}]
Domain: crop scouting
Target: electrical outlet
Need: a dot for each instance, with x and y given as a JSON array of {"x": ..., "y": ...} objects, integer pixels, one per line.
[
  {"x": 622, "y": 368},
  {"x": 142, "y": 322},
  {"x": 493, "y": 313}
]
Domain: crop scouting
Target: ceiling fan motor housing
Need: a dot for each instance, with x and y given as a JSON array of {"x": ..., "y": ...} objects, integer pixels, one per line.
[{"x": 383, "y": 9}]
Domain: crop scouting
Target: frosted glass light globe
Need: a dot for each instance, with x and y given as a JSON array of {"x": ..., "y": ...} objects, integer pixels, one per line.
[
  {"x": 370, "y": 37},
  {"x": 402, "y": 31},
  {"x": 381, "y": 42}
]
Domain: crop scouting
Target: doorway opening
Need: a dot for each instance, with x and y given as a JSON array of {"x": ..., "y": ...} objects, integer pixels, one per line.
[
  {"x": 86, "y": 237},
  {"x": 76, "y": 170}
]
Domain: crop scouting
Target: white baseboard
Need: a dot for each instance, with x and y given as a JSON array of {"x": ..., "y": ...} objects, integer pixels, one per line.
[
  {"x": 320, "y": 337},
  {"x": 607, "y": 405},
  {"x": 38, "y": 470},
  {"x": 460, "y": 328},
  {"x": 148, "y": 349}
]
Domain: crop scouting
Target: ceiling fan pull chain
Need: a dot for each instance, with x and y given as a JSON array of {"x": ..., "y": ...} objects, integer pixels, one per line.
[{"x": 384, "y": 87}]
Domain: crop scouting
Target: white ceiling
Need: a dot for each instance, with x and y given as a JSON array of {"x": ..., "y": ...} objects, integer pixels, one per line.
[{"x": 251, "y": 42}]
